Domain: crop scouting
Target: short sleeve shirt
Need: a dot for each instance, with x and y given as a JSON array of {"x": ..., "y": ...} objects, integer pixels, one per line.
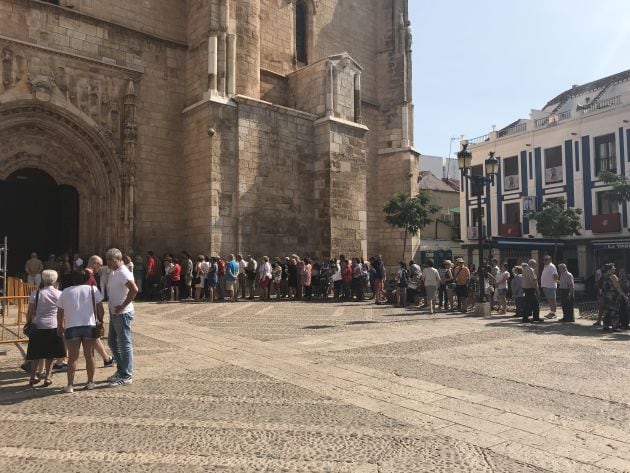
[
  {"x": 547, "y": 277},
  {"x": 46, "y": 314},
  {"x": 431, "y": 276},
  {"x": 232, "y": 269},
  {"x": 77, "y": 305},
  {"x": 117, "y": 289}
]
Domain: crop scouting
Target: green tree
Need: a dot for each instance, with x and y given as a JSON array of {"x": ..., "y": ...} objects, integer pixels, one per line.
[
  {"x": 620, "y": 191},
  {"x": 555, "y": 220},
  {"x": 410, "y": 213}
]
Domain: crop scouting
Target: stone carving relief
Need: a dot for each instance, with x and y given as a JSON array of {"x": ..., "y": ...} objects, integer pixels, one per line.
[{"x": 97, "y": 94}]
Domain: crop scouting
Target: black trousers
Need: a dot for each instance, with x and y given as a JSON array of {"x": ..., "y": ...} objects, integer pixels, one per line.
[
  {"x": 442, "y": 299},
  {"x": 567, "y": 302},
  {"x": 624, "y": 314},
  {"x": 531, "y": 305}
]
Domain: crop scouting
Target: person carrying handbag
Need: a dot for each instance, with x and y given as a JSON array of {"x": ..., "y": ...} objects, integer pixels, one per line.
[{"x": 44, "y": 342}]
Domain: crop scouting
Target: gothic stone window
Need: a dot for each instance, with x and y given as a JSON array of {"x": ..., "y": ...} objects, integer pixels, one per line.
[{"x": 301, "y": 16}]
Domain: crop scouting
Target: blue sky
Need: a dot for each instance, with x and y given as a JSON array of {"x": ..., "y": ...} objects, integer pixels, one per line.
[{"x": 488, "y": 62}]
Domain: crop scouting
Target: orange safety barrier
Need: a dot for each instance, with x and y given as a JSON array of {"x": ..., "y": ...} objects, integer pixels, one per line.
[{"x": 13, "y": 309}]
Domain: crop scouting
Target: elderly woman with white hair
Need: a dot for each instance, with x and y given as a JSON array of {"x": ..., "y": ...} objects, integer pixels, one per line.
[{"x": 45, "y": 343}]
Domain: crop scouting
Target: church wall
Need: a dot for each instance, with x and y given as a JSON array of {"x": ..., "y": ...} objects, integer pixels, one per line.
[
  {"x": 92, "y": 61},
  {"x": 348, "y": 216},
  {"x": 333, "y": 33},
  {"x": 275, "y": 185},
  {"x": 277, "y": 25},
  {"x": 198, "y": 22},
  {"x": 164, "y": 18}
]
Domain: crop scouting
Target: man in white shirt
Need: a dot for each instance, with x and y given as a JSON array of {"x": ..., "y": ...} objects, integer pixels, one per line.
[
  {"x": 121, "y": 289},
  {"x": 549, "y": 285}
]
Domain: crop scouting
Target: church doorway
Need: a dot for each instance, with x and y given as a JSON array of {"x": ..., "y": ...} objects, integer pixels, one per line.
[{"x": 37, "y": 215}]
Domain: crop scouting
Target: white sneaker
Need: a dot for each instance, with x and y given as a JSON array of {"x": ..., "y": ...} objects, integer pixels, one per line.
[
  {"x": 68, "y": 389},
  {"x": 113, "y": 378},
  {"x": 120, "y": 382},
  {"x": 89, "y": 386}
]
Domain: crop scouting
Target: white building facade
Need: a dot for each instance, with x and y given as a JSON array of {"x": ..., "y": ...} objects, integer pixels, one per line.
[{"x": 559, "y": 151}]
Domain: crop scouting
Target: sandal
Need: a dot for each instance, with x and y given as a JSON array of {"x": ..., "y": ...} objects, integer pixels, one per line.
[
  {"x": 47, "y": 382},
  {"x": 33, "y": 381}
]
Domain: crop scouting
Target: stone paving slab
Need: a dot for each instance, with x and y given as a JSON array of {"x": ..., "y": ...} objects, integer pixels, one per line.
[{"x": 262, "y": 386}]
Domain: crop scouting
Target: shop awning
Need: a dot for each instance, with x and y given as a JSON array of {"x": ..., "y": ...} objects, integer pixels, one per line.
[
  {"x": 611, "y": 245},
  {"x": 526, "y": 243}
]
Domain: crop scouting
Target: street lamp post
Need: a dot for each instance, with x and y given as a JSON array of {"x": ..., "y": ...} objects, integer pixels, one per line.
[{"x": 464, "y": 160}]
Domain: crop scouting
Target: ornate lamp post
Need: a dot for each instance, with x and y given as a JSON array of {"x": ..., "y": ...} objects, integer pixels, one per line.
[{"x": 464, "y": 160}]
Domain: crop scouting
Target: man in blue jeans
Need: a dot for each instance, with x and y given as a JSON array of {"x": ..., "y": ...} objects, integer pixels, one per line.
[{"x": 121, "y": 289}]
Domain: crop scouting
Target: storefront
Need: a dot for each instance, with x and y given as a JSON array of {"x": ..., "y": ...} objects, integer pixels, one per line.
[{"x": 612, "y": 251}]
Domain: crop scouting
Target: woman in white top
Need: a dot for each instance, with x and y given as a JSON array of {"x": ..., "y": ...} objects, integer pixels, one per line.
[
  {"x": 79, "y": 308},
  {"x": 45, "y": 343},
  {"x": 501, "y": 280},
  {"x": 431, "y": 278},
  {"x": 264, "y": 273}
]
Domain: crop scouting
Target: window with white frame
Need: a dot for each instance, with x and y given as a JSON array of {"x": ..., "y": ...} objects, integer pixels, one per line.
[
  {"x": 605, "y": 156},
  {"x": 606, "y": 205},
  {"x": 475, "y": 189},
  {"x": 553, "y": 165},
  {"x": 475, "y": 218},
  {"x": 513, "y": 212},
  {"x": 510, "y": 173}
]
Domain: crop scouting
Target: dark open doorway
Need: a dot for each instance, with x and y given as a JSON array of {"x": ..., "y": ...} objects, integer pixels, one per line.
[{"x": 37, "y": 215}]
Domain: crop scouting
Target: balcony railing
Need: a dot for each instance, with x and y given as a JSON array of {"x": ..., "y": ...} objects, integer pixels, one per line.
[
  {"x": 552, "y": 119},
  {"x": 510, "y": 229},
  {"x": 479, "y": 140},
  {"x": 606, "y": 223},
  {"x": 598, "y": 105},
  {"x": 521, "y": 127}
]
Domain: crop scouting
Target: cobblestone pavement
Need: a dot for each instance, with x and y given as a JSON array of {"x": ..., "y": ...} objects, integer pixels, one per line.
[{"x": 299, "y": 387}]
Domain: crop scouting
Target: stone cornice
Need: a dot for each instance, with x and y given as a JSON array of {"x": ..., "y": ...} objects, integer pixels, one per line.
[
  {"x": 71, "y": 13},
  {"x": 261, "y": 103},
  {"x": 406, "y": 149},
  {"x": 136, "y": 73},
  {"x": 342, "y": 122}
]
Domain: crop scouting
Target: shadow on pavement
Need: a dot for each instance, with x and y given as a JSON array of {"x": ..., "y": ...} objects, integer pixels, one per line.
[{"x": 558, "y": 328}]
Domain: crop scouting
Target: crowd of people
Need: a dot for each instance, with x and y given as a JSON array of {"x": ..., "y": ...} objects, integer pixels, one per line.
[
  {"x": 61, "y": 322},
  {"x": 66, "y": 312}
]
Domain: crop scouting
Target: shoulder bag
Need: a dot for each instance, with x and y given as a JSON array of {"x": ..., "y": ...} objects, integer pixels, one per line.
[
  {"x": 30, "y": 327},
  {"x": 98, "y": 313}
]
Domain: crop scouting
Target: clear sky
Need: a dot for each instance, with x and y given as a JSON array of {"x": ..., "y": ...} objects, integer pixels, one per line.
[{"x": 489, "y": 62}]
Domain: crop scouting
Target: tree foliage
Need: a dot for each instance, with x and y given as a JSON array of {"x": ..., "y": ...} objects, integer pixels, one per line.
[
  {"x": 410, "y": 213},
  {"x": 620, "y": 191},
  {"x": 555, "y": 220}
]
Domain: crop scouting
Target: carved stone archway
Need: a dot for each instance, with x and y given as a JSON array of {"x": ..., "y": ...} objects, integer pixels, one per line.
[{"x": 73, "y": 151}]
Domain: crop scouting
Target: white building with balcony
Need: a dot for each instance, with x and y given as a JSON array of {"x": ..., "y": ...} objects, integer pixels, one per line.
[{"x": 558, "y": 152}]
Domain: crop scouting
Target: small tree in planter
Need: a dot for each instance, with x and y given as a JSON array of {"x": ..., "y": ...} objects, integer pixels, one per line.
[
  {"x": 555, "y": 220},
  {"x": 410, "y": 213}
]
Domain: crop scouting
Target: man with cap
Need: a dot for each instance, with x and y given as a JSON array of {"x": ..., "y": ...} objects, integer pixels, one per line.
[
  {"x": 530, "y": 290},
  {"x": 461, "y": 275}
]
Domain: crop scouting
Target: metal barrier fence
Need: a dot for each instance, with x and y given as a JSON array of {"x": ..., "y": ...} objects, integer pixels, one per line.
[{"x": 13, "y": 309}]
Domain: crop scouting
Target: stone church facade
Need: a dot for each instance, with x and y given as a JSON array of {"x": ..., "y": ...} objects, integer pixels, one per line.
[{"x": 220, "y": 126}]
